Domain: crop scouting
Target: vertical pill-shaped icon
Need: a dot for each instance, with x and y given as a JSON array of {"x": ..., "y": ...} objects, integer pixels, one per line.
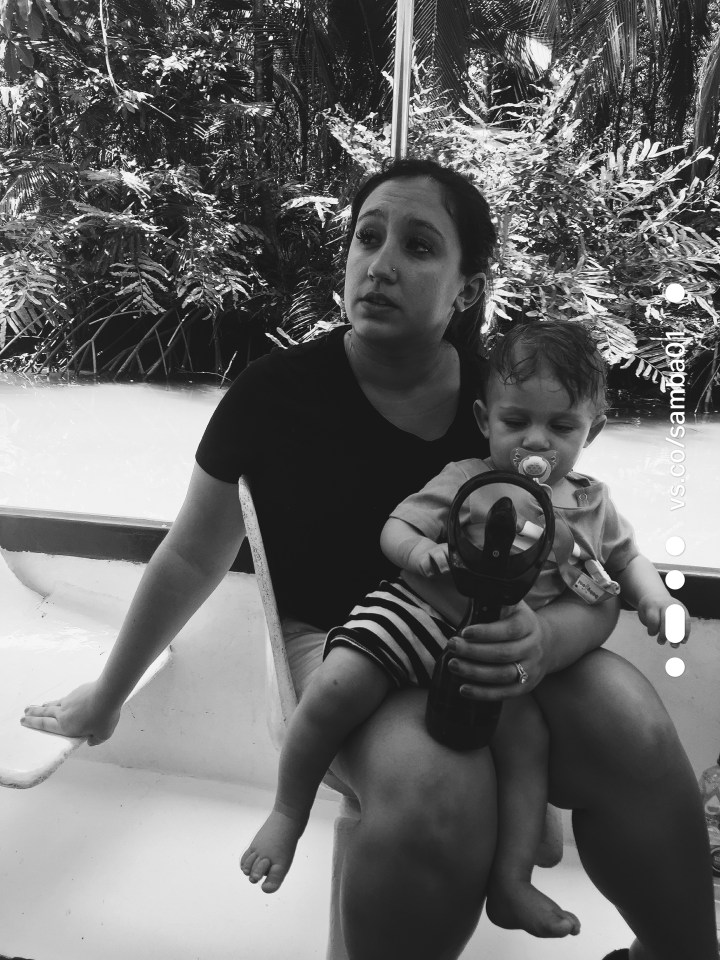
[{"x": 675, "y": 623}]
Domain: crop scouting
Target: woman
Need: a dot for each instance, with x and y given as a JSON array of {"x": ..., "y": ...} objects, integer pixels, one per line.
[{"x": 333, "y": 434}]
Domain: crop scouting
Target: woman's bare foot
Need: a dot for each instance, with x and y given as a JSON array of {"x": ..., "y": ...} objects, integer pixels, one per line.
[
  {"x": 518, "y": 905},
  {"x": 272, "y": 850}
]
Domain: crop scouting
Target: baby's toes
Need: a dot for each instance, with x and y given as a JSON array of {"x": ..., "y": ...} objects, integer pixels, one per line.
[
  {"x": 275, "y": 877},
  {"x": 574, "y": 923},
  {"x": 247, "y": 860},
  {"x": 259, "y": 869}
]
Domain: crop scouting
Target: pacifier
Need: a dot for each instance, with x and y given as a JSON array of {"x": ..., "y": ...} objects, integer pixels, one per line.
[{"x": 535, "y": 466}]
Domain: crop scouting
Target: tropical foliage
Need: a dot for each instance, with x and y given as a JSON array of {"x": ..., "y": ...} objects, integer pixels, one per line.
[
  {"x": 170, "y": 173},
  {"x": 592, "y": 235},
  {"x": 149, "y": 218}
]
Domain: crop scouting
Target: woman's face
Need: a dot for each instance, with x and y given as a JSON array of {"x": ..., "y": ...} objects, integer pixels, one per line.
[{"x": 403, "y": 224}]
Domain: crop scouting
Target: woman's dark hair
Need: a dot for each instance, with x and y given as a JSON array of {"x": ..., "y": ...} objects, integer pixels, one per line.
[
  {"x": 471, "y": 214},
  {"x": 565, "y": 348}
]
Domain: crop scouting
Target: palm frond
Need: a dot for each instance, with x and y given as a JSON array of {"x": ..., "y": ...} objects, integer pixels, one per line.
[
  {"x": 650, "y": 362},
  {"x": 309, "y": 51},
  {"x": 627, "y": 17},
  {"x": 141, "y": 281},
  {"x": 30, "y": 291},
  {"x": 552, "y": 14},
  {"x": 708, "y": 98},
  {"x": 361, "y": 32},
  {"x": 506, "y": 32},
  {"x": 442, "y": 31},
  {"x": 114, "y": 181},
  {"x": 34, "y": 181}
]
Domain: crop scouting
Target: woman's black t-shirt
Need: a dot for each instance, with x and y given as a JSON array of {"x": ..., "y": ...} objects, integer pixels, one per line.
[{"x": 326, "y": 470}]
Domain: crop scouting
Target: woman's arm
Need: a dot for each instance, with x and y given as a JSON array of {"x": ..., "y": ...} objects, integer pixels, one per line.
[
  {"x": 182, "y": 573},
  {"x": 543, "y": 641}
]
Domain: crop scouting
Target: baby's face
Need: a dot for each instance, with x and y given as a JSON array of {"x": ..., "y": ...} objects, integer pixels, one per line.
[{"x": 538, "y": 416}]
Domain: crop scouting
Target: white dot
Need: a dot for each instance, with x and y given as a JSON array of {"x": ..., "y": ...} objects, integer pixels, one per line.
[
  {"x": 675, "y": 623},
  {"x": 674, "y": 292},
  {"x": 675, "y": 546},
  {"x": 674, "y": 579},
  {"x": 675, "y": 667}
]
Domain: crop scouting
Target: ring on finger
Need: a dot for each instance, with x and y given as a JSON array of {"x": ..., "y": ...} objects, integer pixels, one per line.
[{"x": 523, "y": 675}]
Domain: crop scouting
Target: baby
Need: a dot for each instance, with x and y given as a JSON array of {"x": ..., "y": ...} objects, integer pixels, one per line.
[{"x": 543, "y": 399}]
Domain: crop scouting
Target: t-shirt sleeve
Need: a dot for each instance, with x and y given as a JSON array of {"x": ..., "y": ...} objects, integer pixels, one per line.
[
  {"x": 427, "y": 510},
  {"x": 618, "y": 540},
  {"x": 230, "y": 443}
]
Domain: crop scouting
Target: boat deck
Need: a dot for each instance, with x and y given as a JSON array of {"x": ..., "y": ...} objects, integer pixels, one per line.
[
  {"x": 130, "y": 849},
  {"x": 108, "y": 863}
]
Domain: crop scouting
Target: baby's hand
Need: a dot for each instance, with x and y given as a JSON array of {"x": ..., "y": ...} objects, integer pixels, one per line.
[
  {"x": 651, "y": 611},
  {"x": 429, "y": 559}
]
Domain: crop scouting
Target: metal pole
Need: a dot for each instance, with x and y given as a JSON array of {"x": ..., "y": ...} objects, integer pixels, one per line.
[{"x": 403, "y": 76}]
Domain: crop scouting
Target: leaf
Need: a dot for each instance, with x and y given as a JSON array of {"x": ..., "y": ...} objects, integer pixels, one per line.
[
  {"x": 48, "y": 9},
  {"x": 7, "y": 9},
  {"x": 707, "y": 97},
  {"x": 35, "y": 25},
  {"x": 645, "y": 150},
  {"x": 23, "y": 53}
]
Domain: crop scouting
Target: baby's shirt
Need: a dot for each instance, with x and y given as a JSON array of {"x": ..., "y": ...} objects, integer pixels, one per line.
[{"x": 599, "y": 531}]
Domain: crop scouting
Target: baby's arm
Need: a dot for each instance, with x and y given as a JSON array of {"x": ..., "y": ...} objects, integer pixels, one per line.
[
  {"x": 408, "y": 549},
  {"x": 642, "y": 587}
]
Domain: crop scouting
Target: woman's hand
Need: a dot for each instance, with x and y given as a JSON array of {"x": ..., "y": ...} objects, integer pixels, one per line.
[
  {"x": 487, "y": 655},
  {"x": 82, "y": 713}
]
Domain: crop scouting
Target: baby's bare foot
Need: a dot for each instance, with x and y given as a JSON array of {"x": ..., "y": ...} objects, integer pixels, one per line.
[
  {"x": 271, "y": 851},
  {"x": 518, "y": 905}
]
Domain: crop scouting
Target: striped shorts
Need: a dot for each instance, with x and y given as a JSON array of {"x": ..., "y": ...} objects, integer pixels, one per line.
[{"x": 397, "y": 629}]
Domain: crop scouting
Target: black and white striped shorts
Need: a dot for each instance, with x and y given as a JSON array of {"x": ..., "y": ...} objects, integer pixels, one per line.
[{"x": 398, "y": 630}]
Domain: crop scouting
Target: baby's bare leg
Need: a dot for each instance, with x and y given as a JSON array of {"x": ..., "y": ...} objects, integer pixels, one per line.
[
  {"x": 344, "y": 692},
  {"x": 520, "y": 752}
]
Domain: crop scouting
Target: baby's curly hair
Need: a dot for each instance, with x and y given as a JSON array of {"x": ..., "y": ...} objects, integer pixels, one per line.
[{"x": 565, "y": 348}]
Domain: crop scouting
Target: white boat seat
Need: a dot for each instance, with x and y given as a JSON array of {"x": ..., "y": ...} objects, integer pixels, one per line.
[
  {"x": 282, "y": 700},
  {"x": 48, "y": 645}
]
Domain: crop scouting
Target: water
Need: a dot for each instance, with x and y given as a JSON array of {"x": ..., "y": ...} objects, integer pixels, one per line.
[
  {"x": 120, "y": 449},
  {"x": 633, "y": 456},
  {"x": 128, "y": 449}
]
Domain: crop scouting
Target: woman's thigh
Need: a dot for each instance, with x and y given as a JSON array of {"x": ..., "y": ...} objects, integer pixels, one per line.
[
  {"x": 392, "y": 755},
  {"x": 609, "y": 730},
  {"x": 393, "y": 765}
]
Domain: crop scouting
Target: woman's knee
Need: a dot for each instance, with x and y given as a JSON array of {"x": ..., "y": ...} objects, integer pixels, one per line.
[
  {"x": 433, "y": 823},
  {"x": 605, "y": 715},
  {"x": 417, "y": 796}
]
